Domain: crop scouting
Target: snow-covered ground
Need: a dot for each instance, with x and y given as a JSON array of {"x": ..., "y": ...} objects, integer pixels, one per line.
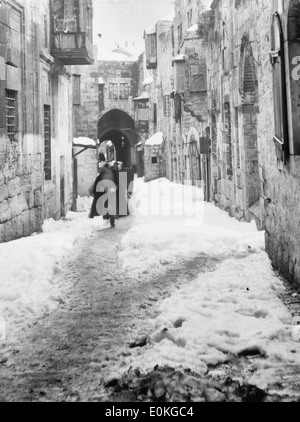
[
  {"x": 29, "y": 266},
  {"x": 224, "y": 312},
  {"x": 173, "y": 223},
  {"x": 220, "y": 313}
]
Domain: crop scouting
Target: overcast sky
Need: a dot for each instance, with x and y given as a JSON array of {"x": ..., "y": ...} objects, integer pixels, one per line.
[{"x": 121, "y": 24}]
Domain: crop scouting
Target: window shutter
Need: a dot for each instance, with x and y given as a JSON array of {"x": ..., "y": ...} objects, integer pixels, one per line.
[
  {"x": 279, "y": 92},
  {"x": 180, "y": 77},
  {"x": 76, "y": 90}
]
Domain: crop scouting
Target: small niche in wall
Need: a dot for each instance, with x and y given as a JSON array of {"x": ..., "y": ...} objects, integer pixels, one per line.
[{"x": 154, "y": 160}]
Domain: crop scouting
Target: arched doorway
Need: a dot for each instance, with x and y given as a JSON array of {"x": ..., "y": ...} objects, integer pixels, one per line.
[{"x": 118, "y": 127}]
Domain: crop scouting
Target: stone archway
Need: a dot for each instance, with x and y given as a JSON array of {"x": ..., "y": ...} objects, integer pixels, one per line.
[{"x": 118, "y": 127}]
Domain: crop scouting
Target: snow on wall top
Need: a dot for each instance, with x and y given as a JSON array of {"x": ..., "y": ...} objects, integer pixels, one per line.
[
  {"x": 156, "y": 139},
  {"x": 87, "y": 142},
  {"x": 193, "y": 28},
  {"x": 148, "y": 81}
]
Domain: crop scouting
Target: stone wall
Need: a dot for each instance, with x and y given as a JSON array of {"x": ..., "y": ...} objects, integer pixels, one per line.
[
  {"x": 153, "y": 170},
  {"x": 95, "y": 101},
  {"x": 21, "y": 196},
  {"x": 87, "y": 170},
  {"x": 258, "y": 174},
  {"x": 26, "y": 197}
]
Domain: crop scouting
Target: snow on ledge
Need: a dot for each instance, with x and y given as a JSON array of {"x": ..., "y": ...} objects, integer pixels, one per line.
[
  {"x": 156, "y": 139},
  {"x": 150, "y": 31},
  {"x": 87, "y": 142},
  {"x": 148, "y": 81},
  {"x": 193, "y": 28},
  {"x": 179, "y": 58}
]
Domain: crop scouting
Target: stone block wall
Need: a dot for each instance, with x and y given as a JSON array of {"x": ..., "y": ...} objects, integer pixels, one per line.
[
  {"x": 157, "y": 170},
  {"x": 87, "y": 170},
  {"x": 21, "y": 194}
]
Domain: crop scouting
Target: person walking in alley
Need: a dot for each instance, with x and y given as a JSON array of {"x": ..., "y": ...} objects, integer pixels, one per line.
[{"x": 105, "y": 193}]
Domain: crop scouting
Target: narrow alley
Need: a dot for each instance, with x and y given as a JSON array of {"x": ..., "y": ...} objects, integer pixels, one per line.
[
  {"x": 67, "y": 356},
  {"x": 149, "y": 201},
  {"x": 108, "y": 319}
]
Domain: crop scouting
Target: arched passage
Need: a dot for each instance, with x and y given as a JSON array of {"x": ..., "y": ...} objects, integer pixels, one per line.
[{"x": 118, "y": 127}]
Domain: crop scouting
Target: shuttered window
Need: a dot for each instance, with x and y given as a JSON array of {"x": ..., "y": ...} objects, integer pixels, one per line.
[
  {"x": 113, "y": 91},
  {"x": 228, "y": 140},
  {"x": 151, "y": 50},
  {"x": 180, "y": 76},
  {"x": 279, "y": 90},
  {"x": 166, "y": 106},
  {"x": 124, "y": 91},
  {"x": 76, "y": 90},
  {"x": 47, "y": 142}
]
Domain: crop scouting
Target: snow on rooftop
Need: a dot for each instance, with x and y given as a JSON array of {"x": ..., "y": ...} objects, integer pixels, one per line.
[
  {"x": 179, "y": 58},
  {"x": 150, "y": 31},
  {"x": 193, "y": 28},
  {"x": 84, "y": 142},
  {"x": 148, "y": 81},
  {"x": 156, "y": 139},
  {"x": 143, "y": 96}
]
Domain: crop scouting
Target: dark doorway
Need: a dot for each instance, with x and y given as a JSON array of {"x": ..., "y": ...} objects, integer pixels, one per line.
[
  {"x": 118, "y": 127},
  {"x": 121, "y": 145}
]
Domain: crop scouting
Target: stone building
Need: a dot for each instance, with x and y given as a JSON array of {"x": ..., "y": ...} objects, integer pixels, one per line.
[
  {"x": 38, "y": 43},
  {"x": 175, "y": 56},
  {"x": 155, "y": 157},
  {"x": 105, "y": 111},
  {"x": 253, "y": 85}
]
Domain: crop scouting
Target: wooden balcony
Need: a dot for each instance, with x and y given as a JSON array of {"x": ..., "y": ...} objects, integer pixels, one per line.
[{"x": 72, "y": 48}]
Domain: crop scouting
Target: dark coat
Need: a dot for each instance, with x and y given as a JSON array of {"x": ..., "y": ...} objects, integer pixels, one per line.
[{"x": 106, "y": 173}]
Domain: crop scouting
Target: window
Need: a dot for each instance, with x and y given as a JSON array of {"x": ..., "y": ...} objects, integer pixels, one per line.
[
  {"x": 228, "y": 139},
  {"x": 113, "y": 91},
  {"x": 180, "y": 76},
  {"x": 76, "y": 90},
  {"x": 124, "y": 91},
  {"x": 14, "y": 37},
  {"x": 237, "y": 140},
  {"x": 190, "y": 17},
  {"x": 11, "y": 113},
  {"x": 46, "y": 36},
  {"x": 47, "y": 142},
  {"x": 166, "y": 106},
  {"x": 179, "y": 29},
  {"x": 154, "y": 114},
  {"x": 279, "y": 93},
  {"x": 154, "y": 160},
  {"x": 151, "y": 51},
  {"x": 197, "y": 77}
]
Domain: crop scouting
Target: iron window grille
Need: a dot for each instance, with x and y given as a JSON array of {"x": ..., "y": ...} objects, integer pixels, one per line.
[
  {"x": 47, "y": 142},
  {"x": 11, "y": 113}
]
